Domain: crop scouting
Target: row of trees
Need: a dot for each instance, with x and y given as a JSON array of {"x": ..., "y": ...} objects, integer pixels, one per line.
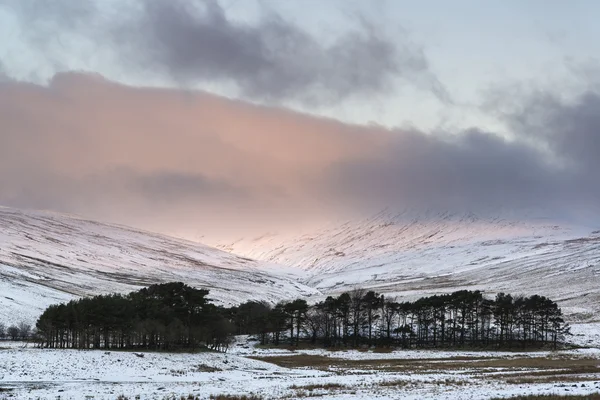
[
  {"x": 356, "y": 318},
  {"x": 175, "y": 315},
  {"x": 21, "y": 331},
  {"x": 164, "y": 316}
]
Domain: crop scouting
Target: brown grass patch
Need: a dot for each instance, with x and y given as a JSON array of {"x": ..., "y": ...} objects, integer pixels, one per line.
[
  {"x": 396, "y": 383},
  {"x": 323, "y": 386},
  {"x": 530, "y": 369},
  {"x": 206, "y": 368}
]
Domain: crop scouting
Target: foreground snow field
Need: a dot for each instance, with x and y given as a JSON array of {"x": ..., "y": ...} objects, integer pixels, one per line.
[{"x": 31, "y": 373}]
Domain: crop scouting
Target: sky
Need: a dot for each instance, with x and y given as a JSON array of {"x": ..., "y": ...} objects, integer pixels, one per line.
[{"x": 239, "y": 116}]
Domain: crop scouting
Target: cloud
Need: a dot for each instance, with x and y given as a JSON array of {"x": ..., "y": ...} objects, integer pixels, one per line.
[
  {"x": 196, "y": 42},
  {"x": 87, "y": 145},
  {"x": 570, "y": 129},
  {"x": 548, "y": 168},
  {"x": 475, "y": 172},
  {"x": 178, "y": 160},
  {"x": 172, "y": 188},
  {"x": 3, "y": 76}
]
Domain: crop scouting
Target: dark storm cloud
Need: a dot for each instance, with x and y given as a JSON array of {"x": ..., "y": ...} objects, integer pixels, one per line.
[
  {"x": 570, "y": 130},
  {"x": 476, "y": 170},
  {"x": 274, "y": 59},
  {"x": 197, "y": 42},
  {"x": 550, "y": 167}
]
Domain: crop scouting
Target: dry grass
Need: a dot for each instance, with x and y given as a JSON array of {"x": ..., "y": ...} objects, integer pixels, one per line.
[
  {"x": 316, "y": 390},
  {"x": 402, "y": 383},
  {"x": 570, "y": 373},
  {"x": 528, "y": 380},
  {"x": 323, "y": 386},
  {"x": 390, "y": 365},
  {"x": 510, "y": 370},
  {"x": 398, "y": 383},
  {"x": 206, "y": 368},
  {"x": 433, "y": 365}
]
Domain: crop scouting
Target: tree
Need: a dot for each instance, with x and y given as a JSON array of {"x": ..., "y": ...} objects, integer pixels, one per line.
[
  {"x": 160, "y": 316},
  {"x": 296, "y": 313},
  {"x": 357, "y": 312},
  {"x": 371, "y": 303},
  {"x": 315, "y": 322},
  {"x": 277, "y": 321},
  {"x": 174, "y": 315},
  {"x": 24, "y": 330},
  {"x": 343, "y": 306},
  {"x": 13, "y": 332},
  {"x": 503, "y": 310},
  {"x": 389, "y": 311}
]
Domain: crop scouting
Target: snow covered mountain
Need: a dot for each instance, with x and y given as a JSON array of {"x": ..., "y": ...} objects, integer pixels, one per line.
[
  {"x": 412, "y": 254},
  {"x": 47, "y": 258}
]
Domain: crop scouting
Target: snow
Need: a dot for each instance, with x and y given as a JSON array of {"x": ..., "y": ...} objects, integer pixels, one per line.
[
  {"x": 77, "y": 374},
  {"x": 47, "y": 258},
  {"x": 585, "y": 335},
  {"x": 410, "y": 255}
]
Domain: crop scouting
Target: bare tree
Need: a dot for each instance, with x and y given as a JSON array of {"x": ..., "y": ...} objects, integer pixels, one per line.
[
  {"x": 13, "y": 332},
  {"x": 24, "y": 330}
]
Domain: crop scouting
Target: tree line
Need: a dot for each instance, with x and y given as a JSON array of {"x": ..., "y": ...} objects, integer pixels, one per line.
[
  {"x": 174, "y": 315},
  {"x": 160, "y": 317},
  {"x": 366, "y": 318},
  {"x": 20, "y": 331}
]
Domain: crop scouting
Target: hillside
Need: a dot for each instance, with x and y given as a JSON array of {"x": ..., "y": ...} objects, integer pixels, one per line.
[
  {"x": 47, "y": 258},
  {"x": 414, "y": 254}
]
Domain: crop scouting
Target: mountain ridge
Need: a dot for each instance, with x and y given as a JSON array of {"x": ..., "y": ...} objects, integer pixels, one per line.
[
  {"x": 431, "y": 252},
  {"x": 50, "y": 257}
]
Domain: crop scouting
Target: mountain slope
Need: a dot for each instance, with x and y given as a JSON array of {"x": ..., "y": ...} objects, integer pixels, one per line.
[
  {"x": 46, "y": 258},
  {"x": 412, "y": 254}
]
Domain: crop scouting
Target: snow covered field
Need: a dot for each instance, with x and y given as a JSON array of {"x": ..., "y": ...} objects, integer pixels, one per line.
[{"x": 31, "y": 373}]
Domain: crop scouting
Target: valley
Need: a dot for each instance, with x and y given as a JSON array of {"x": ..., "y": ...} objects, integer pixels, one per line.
[{"x": 48, "y": 258}]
